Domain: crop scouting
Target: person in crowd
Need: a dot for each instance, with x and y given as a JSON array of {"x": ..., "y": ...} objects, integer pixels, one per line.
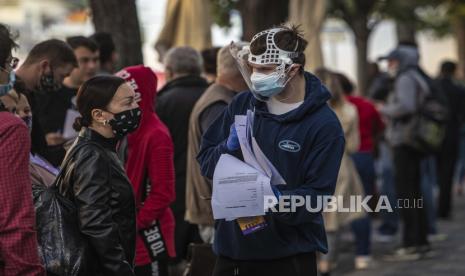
[
  {"x": 371, "y": 128},
  {"x": 183, "y": 68},
  {"x": 56, "y": 104},
  {"x": 348, "y": 181},
  {"x": 43, "y": 72},
  {"x": 380, "y": 83},
  {"x": 447, "y": 157},
  {"x": 379, "y": 91},
  {"x": 286, "y": 114},
  {"x": 42, "y": 172},
  {"x": 410, "y": 88},
  {"x": 94, "y": 178},
  {"x": 207, "y": 109},
  {"x": 108, "y": 53},
  {"x": 209, "y": 57},
  {"x": 18, "y": 237},
  {"x": 148, "y": 157}
]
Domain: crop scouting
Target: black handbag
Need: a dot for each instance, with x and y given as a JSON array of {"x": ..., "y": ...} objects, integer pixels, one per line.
[{"x": 62, "y": 247}]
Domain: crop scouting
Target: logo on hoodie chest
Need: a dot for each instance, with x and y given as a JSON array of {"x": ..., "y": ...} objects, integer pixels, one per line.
[{"x": 288, "y": 145}]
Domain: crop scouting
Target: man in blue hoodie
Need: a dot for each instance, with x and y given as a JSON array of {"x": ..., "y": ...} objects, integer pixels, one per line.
[{"x": 302, "y": 138}]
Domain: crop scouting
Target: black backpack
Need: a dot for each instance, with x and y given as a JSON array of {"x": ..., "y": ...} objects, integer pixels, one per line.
[{"x": 428, "y": 124}]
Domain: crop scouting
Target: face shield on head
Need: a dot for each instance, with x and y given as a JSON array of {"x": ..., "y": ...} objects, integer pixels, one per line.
[{"x": 263, "y": 86}]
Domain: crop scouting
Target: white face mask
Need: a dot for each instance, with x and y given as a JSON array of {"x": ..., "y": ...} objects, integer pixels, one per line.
[{"x": 267, "y": 85}]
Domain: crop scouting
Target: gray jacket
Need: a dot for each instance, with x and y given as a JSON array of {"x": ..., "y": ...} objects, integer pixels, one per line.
[{"x": 410, "y": 89}]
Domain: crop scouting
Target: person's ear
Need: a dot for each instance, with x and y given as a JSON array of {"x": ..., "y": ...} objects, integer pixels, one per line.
[
  {"x": 98, "y": 116},
  {"x": 168, "y": 74},
  {"x": 294, "y": 70},
  {"x": 43, "y": 65}
]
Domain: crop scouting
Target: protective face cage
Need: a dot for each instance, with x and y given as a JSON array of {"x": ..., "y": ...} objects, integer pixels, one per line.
[{"x": 273, "y": 55}]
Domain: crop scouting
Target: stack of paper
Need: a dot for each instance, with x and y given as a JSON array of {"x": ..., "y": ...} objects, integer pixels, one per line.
[{"x": 239, "y": 187}]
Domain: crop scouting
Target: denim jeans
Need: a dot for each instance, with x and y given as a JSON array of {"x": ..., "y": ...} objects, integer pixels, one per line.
[
  {"x": 428, "y": 184},
  {"x": 385, "y": 170},
  {"x": 364, "y": 162}
]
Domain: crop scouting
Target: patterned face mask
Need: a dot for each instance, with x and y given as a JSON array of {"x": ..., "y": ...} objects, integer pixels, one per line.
[
  {"x": 48, "y": 83},
  {"x": 125, "y": 122}
]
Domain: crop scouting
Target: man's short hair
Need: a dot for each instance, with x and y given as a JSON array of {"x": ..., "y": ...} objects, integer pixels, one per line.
[
  {"x": 7, "y": 44},
  {"x": 106, "y": 46},
  {"x": 183, "y": 60},
  {"x": 448, "y": 68},
  {"x": 56, "y": 51},
  {"x": 82, "y": 41},
  {"x": 209, "y": 57},
  {"x": 346, "y": 85},
  {"x": 289, "y": 39}
]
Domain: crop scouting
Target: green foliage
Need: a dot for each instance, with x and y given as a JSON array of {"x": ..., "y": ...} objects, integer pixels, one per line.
[
  {"x": 355, "y": 11},
  {"x": 431, "y": 15},
  {"x": 440, "y": 18},
  {"x": 77, "y": 4},
  {"x": 221, "y": 11}
]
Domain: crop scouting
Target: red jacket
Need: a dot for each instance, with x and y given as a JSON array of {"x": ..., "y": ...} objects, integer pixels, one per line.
[
  {"x": 370, "y": 123},
  {"x": 150, "y": 153},
  {"x": 18, "y": 238}
]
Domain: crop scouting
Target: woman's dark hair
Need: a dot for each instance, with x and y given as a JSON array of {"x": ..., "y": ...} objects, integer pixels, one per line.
[
  {"x": 289, "y": 39},
  {"x": 347, "y": 86},
  {"x": 7, "y": 44},
  {"x": 95, "y": 93}
]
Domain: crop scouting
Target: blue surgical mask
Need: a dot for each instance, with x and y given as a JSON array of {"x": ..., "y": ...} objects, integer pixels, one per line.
[
  {"x": 5, "y": 88},
  {"x": 267, "y": 85}
]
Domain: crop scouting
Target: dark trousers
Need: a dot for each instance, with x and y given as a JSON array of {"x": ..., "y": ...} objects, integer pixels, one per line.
[
  {"x": 446, "y": 161},
  {"x": 157, "y": 268},
  {"x": 408, "y": 190},
  {"x": 298, "y": 265},
  {"x": 365, "y": 164}
]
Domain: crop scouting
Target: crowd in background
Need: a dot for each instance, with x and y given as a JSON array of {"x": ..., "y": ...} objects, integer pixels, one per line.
[{"x": 62, "y": 80}]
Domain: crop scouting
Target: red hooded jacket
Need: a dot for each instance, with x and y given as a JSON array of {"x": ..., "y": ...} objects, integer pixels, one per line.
[{"x": 150, "y": 153}]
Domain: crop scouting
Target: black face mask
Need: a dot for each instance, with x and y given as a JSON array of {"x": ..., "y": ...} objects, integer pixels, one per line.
[
  {"x": 125, "y": 122},
  {"x": 48, "y": 84}
]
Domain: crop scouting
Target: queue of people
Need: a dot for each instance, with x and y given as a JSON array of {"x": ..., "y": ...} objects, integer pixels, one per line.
[{"x": 137, "y": 169}]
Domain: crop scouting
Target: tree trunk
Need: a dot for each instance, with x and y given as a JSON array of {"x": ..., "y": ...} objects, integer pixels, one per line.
[
  {"x": 459, "y": 29},
  {"x": 310, "y": 14},
  {"x": 119, "y": 18},
  {"x": 405, "y": 32},
  {"x": 361, "y": 33},
  {"x": 258, "y": 15}
]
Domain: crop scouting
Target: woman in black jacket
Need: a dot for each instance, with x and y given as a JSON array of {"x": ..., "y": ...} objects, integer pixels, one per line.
[{"x": 95, "y": 180}]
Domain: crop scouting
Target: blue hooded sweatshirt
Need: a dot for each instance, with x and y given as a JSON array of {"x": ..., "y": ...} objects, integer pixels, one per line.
[{"x": 306, "y": 146}]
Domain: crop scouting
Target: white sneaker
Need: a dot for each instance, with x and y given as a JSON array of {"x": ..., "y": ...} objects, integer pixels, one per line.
[
  {"x": 404, "y": 254},
  {"x": 364, "y": 262}
]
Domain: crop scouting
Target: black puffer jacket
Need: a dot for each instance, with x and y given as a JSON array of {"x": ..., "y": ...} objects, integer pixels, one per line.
[{"x": 96, "y": 182}]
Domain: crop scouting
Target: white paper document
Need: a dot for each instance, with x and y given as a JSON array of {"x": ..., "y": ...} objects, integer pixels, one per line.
[
  {"x": 251, "y": 151},
  {"x": 68, "y": 130},
  {"x": 238, "y": 189}
]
